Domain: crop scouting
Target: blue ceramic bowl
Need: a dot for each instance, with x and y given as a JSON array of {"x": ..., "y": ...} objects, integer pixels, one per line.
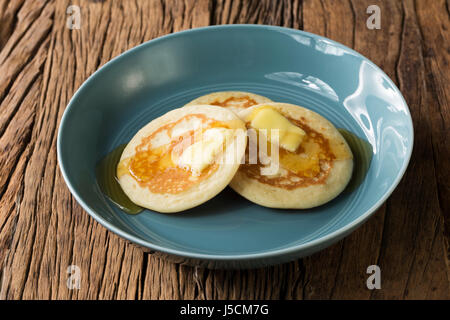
[{"x": 283, "y": 64}]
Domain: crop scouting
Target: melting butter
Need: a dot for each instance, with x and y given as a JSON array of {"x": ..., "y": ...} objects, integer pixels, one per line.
[
  {"x": 362, "y": 157},
  {"x": 266, "y": 118},
  {"x": 202, "y": 153}
]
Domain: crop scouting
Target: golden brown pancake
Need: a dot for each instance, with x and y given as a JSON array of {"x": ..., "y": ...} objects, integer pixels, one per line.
[
  {"x": 316, "y": 172},
  {"x": 161, "y": 168},
  {"x": 234, "y": 100}
]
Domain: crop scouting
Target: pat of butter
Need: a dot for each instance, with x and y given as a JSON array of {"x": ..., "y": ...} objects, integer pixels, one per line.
[
  {"x": 202, "y": 153},
  {"x": 290, "y": 136}
]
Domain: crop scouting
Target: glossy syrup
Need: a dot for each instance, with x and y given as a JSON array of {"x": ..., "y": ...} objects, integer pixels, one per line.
[
  {"x": 362, "y": 156},
  {"x": 108, "y": 182}
]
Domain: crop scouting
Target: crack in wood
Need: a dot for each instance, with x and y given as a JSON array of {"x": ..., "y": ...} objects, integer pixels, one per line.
[{"x": 43, "y": 229}]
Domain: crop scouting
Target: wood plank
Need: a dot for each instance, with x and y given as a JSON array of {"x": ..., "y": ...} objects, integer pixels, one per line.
[
  {"x": 43, "y": 230},
  {"x": 21, "y": 62}
]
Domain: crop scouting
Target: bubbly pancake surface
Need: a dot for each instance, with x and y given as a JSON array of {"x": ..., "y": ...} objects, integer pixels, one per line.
[
  {"x": 151, "y": 172},
  {"x": 311, "y": 175},
  {"x": 234, "y": 100}
]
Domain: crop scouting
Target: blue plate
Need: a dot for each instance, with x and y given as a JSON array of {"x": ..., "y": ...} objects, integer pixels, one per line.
[{"x": 283, "y": 64}]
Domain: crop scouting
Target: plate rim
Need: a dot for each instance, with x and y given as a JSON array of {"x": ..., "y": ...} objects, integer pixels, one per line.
[{"x": 313, "y": 245}]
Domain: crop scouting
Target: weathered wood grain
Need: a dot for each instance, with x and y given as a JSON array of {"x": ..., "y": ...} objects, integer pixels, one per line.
[{"x": 43, "y": 230}]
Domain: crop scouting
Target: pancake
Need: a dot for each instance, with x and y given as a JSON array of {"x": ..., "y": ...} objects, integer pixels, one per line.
[
  {"x": 161, "y": 168},
  {"x": 316, "y": 172},
  {"x": 234, "y": 100}
]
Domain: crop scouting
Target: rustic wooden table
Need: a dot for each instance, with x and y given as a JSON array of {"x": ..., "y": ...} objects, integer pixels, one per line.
[{"x": 43, "y": 230}]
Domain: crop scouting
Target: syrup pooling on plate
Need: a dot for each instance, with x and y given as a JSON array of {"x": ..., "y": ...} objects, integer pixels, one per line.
[
  {"x": 107, "y": 180},
  {"x": 157, "y": 167}
]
